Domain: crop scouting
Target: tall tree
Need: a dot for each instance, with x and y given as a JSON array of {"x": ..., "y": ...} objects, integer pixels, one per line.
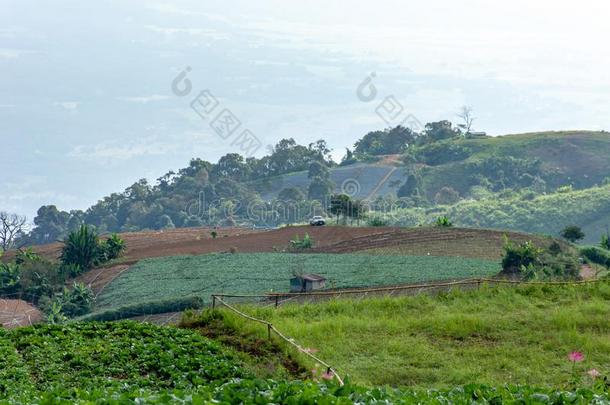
[
  {"x": 389, "y": 141},
  {"x": 317, "y": 169},
  {"x": 12, "y": 226},
  {"x": 440, "y": 130}
]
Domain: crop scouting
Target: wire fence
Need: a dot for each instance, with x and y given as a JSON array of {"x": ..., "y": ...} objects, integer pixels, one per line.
[
  {"x": 272, "y": 329},
  {"x": 277, "y": 299}
]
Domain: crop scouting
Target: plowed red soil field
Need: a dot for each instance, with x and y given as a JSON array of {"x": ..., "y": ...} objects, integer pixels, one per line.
[
  {"x": 192, "y": 241},
  {"x": 331, "y": 239}
]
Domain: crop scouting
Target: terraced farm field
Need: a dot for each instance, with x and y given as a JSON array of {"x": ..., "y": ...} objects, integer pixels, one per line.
[
  {"x": 177, "y": 277},
  {"x": 123, "y": 355}
]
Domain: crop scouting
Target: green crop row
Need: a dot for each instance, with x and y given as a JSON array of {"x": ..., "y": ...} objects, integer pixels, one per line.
[
  {"x": 125, "y": 355},
  {"x": 176, "y": 277},
  {"x": 249, "y": 391}
]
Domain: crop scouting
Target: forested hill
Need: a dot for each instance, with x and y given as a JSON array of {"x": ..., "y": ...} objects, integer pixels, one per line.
[{"x": 441, "y": 166}]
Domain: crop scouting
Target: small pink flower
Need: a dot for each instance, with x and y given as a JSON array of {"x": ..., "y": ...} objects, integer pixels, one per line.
[
  {"x": 593, "y": 373},
  {"x": 327, "y": 376},
  {"x": 576, "y": 357}
]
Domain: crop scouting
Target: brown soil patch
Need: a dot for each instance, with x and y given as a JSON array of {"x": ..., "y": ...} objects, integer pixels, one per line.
[
  {"x": 390, "y": 160},
  {"x": 193, "y": 241},
  {"x": 99, "y": 278},
  {"x": 327, "y": 239},
  {"x": 480, "y": 243},
  {"x": 587, "y": 272},
  {"x": 138, "y": 243},
  {"x": 15, "y": 313}
]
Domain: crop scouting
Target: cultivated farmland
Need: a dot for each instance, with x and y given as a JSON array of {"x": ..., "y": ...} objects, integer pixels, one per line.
[{"x": 177, "y": 277}]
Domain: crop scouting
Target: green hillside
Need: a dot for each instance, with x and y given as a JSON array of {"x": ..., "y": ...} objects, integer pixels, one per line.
[
  {"x": 545, "y": 214},
  {"x": 577, "y": 158},
  {"x": 580, "y": 159}
]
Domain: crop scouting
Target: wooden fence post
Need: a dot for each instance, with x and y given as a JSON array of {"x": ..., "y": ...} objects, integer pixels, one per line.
[
  {"x": 213, "y": 302},
  {"x": 277, "y": 299},
  {"x": 269, "y": 331}
]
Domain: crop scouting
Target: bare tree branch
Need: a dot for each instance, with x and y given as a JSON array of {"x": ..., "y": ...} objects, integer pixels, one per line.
[
  {"x": 467, "y": 119},
  {"x": 11, "y": 227}
]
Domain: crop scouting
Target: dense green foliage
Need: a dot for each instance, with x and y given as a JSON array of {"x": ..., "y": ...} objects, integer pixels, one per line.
[
  {"x": 573, "y": 233},
  {"x": 386, "y": 142},
  {"x": 596, "y": 255},
  {"x": 43, "y": 283},
  {"x": 519, "y": 256},
  {"x": 83, "y": 249},
  {"x": 546, "y": 214},
  {"x": 301, "y": 244},
  {"x": 254, "y": 391},
  {"x": 202, "y": 193},
  {"x": 175, "y": 277},
  {"x": 493, "y": 335},
  {"x": 443, "y": 222},
  {"x": 124, "y": 356},
  {"x": 529, "y": 262}
]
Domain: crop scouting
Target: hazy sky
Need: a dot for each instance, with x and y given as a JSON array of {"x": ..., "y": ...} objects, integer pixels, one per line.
[{"x": 86, "y": 105}]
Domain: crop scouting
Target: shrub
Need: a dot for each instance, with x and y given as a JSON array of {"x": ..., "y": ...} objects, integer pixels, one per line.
[
  {"x": 517, "y": 257},
  {"x": 605, "y": 242},
  {"x": 39, "y": 279},
  {"x": 572, "y": 233},
  {"x": 596, "y": 255},
  {"x": 555, "y": 248},
  {"x": 81, "y": 247},
  {"x": 377, "y": 221},
  {"x": 10, "y": 276},
  {"x": 70, "y": 270},
  {"x": 76, "y": 301},
  {"x": 442, "y": 153},
  {"x": 306, "y": 243},
  {"x": 443, "y": 222},
  {"x": 25, "y": 255},
  {"x": 214, "y": 234},
  {"x": 564, "y": 267},
  {"x": 55, "y": 315},
  {"x": 112, "y": 248}
]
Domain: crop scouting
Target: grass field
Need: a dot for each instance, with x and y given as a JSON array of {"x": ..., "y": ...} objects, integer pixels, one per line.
[
  {"x": 492, "y": 336},
  {"x": 179, "y": 276}
]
